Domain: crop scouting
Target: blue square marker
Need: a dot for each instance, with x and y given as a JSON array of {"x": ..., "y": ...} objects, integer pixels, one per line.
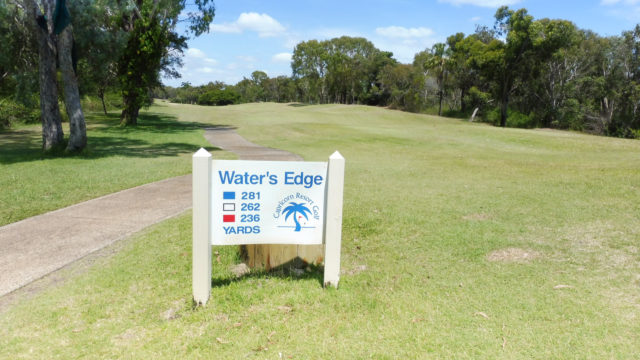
[{"x": 229, "y": 195}]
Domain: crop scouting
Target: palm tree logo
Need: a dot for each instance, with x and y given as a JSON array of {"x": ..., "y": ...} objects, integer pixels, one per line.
[{"x": 298, "y": 211}]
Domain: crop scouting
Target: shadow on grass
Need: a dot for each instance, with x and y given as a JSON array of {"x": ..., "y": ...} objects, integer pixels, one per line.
[
  {"x": 287, "y": 271},
  {"x": 107, "y": 138},
  {"x": 299, "y": 105}
]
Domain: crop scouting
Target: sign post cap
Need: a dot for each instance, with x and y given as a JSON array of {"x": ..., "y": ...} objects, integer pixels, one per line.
[
  {"x": 202, "y": 153},
  {"x": 336, "y": 155}
]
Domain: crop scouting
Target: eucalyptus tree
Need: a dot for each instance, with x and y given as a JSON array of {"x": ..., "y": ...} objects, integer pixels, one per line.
[
  {"x": 49, "y": 23},
  {"x": 461, "y": 75},
  {"x": 403, "y": 84},
  {"x": 628, "y": 118},
  {"x": 154, "y": 46},
  {"x": 309, "y": 67},
  {"x": 99, "y": 41},
  {"x": 40, "y": 19}
]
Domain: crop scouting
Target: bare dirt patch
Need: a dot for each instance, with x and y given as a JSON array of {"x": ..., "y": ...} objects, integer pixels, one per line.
[{"x": 513, "y": 255}]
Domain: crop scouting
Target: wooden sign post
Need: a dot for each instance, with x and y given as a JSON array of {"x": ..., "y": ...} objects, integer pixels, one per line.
[{"x": 238, "y": 202}]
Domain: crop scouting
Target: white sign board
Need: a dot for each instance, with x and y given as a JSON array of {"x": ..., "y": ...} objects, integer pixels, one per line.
[{"x": 267, "y": 202}]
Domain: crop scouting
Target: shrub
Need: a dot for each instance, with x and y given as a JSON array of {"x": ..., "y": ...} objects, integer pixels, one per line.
[
  {"x": 219, "y": 97},
  {"x": 12, "y": 112},
  {"x": 515, "y": 119},
  {"x": 112, "y": 101}
]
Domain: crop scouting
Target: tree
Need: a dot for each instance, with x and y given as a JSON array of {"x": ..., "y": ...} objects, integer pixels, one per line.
[
  {"x": 42, "y": 24},
  {"x": 549, "y": 94},
  {"x": 435, "y": 60},
  {"x": 343, "y": 70},
  {"x": 50, "y": 21},
  {"x": 153, "y": 47},
  {"x": 402, "y": 83},
  {"x": 517, "y": 60},
  {"x": 219, "y": 97},
  {"x": 19, "y": 55},
  {"x": 98, "y": 48},
  {"x": 309, "y": 65},
  {"x": 462, "y": 75}
]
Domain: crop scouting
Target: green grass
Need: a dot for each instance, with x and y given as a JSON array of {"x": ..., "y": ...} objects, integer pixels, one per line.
[
  {"x": 116, "y": 158},
  {"x": 427, "y": 200}
]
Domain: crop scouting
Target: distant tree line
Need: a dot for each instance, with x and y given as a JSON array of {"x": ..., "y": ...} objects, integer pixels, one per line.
[{"x": 521, "y": 72}]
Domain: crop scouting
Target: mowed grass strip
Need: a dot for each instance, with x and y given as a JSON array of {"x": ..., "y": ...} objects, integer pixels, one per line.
[
  {"x": 117, "y": 158},
  {"x": 460, "y": 241}
]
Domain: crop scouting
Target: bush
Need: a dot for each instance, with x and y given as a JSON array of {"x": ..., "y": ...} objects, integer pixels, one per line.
[
  {"x": 219, "y": 97},
  {"x": 515, "y": 119},
  {"x": 113, "y": 101},
  {"x": 477, "y": 99},
  {"x": 12, "y": 112},
  {"x": 519, "y": 120}
]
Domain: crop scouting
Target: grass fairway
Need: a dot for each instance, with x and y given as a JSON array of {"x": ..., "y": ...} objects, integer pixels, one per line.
[{"x": 460, "y": 241}]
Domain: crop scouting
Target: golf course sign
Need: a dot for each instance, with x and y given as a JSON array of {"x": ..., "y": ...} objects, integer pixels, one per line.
[{"x": 237, "y": 202}]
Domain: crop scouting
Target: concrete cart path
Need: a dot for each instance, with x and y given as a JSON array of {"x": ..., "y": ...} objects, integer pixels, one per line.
[
  {"x": 32, "y": 248},
  {"x": 37, "y": 246},
  {"x": 227, "y": 139}
]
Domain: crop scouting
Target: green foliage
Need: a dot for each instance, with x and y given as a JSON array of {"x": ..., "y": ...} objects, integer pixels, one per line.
[
  {"x": 140, "y": 64},
  {"x": 402, "y": 84},
  {"x": 219, "y": 97},
  {"x": 153, "y": 47},
  {"x": 340, "y": 70},
  {"x": 112, "y": 100},
  {"x": 16, "y": 113}
]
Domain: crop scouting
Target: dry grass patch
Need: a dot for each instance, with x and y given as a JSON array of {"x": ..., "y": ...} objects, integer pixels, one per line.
[
  {"x": 477, "y": 217},
  {"x": 511, "y": 255}
]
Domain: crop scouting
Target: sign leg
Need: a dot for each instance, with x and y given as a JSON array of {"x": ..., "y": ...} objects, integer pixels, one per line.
[
  {"x": 201, "y": 250},
  {"x": 333, "y": 219}
]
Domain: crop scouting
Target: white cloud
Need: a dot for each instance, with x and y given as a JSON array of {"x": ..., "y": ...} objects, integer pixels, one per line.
[
  {"x": 483, "y": 3},
  {"x": 281, "y": 57},
  {"x": 404, "y": 42},
  {"x": 403, "y": 32},
  {"x": 196, "y": 58},
  {"x": 628, "y": 10},
  {"x": 195, "y": 53},
  {"x": 330, "y": 33},
  {"x": 247, "y": 58},
  {"x": 262, "y": 24},
  {"x": 625, "y": 2},
  {"x": 198, "y": 68},
  {"x": 475, "y": 19}
]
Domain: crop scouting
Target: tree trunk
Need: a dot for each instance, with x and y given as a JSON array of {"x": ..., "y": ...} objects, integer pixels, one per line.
[
  {"x": 503, "y": 110},
  {"x": 441, "y": 95},
  {"x": 101, "y": 96},
  {"x": 77, "y": 126},
  {"x": 129, "y": 116},
  {"x": 52, "y": 135}
]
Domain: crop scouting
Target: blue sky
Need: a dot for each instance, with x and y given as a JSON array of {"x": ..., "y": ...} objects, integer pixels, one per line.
[{"x": 248, "y": 35}]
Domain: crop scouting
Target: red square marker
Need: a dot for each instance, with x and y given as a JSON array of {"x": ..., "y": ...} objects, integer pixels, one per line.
[{"x": 228, "y": 218}]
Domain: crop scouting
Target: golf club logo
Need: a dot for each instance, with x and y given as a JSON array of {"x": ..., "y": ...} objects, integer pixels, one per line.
[{"x": 298, "y": 212}]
